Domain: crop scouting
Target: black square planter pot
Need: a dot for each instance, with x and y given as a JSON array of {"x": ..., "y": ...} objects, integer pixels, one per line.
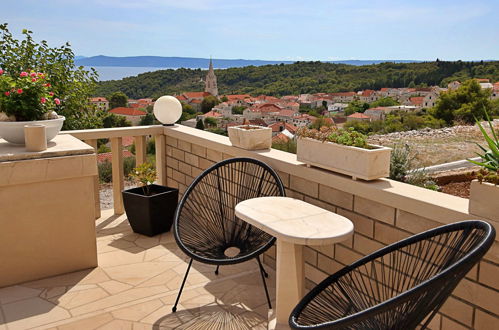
[{"x": 150, "y": 215}]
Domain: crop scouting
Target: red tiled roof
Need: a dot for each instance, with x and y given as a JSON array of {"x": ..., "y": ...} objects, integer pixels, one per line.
[
  {"x": 482, "y": 80},
  {"x": 359, "y": 115},
  {"x": 181, "y": 97},
  {"x": 213, "y": 114},
  {"x": 127, "y": 111},
  {"x": 127, "y": 141},
  {"x": 384, "y": 89},
  {"x": 343, "y": 94},
  {"x": 367, "y": 92},
  {"x": 416, "y": 100},
  {"x": 196, "y": 101},
  {"x": 266, "y": 107},
  {"x": 276, "y": 127},
  {"x": 237, "y": 97},
  {"x": 286, "y": 113},
  {"x": 193, "y": 95},
  {"x": 98, "y": 99},
  {"x": 280, "y": 138},
  {"x": 259, "y": 122},
  {"x": 106, "y": 156}
]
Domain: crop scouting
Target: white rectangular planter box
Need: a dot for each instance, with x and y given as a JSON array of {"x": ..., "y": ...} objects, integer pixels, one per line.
[
  {"x": 484, "y": 200},
  {"x": 366, "y": 164},
  {"x": 257, "y": 138}
]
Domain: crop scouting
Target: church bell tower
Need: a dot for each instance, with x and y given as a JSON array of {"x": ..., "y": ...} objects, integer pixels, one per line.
[{"x": 211, "y": 81}]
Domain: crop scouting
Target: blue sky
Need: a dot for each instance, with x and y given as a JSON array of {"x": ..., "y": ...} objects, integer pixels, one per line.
[{"x": 271, "y": 30}]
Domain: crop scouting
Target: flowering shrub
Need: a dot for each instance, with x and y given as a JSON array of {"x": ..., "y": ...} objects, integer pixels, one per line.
[
  {"x": 26, "y": 97},
  {"x": 144, "y": 174}
]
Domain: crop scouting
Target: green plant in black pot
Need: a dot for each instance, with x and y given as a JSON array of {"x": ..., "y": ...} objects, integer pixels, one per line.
[{"x": 150, "y": 208}]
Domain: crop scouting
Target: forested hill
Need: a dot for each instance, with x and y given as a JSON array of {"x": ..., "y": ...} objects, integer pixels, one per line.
[{"x": 301, "y": 77}]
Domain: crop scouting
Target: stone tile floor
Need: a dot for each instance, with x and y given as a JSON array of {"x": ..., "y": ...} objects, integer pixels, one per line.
[{"x": 135, "y": 287}]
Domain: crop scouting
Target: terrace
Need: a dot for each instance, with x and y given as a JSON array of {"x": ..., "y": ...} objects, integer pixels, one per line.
[{"x": 135, "y": 279}]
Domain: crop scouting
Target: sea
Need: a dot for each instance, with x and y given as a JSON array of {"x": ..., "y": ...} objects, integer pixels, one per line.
[{"x": 120, "y": 72}]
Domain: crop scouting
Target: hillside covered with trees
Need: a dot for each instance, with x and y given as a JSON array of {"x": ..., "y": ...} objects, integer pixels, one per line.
[{"x": 301, "y": 77}]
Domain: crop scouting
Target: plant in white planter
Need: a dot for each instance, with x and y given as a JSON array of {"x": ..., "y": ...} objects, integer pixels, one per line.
[
  {"x": 26, "y": 98},
  {"x": 484, "y": 191},
  {"x": 344, "y": 151},
  {"x": 251, "y": 137},
  {"x": 149, "y": 208}
]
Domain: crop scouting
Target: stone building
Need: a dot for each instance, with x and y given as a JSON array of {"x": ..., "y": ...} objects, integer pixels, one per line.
[{"x": 211, "y": 81}]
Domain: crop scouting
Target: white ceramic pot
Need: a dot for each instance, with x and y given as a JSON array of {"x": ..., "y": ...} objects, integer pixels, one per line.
[{"x": 13, "y": 131}]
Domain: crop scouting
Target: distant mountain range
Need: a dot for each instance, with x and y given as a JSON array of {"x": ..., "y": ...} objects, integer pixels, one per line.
[{"x": 194, "y": 62}]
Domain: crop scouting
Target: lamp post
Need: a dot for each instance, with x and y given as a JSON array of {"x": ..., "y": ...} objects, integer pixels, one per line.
[{"x": 167, "y": 109}]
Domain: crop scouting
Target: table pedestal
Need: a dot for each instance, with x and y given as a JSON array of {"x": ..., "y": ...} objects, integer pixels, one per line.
[{"x": 289, "y": 282}]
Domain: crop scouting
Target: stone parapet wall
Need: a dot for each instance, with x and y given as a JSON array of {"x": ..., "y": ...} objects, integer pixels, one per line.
[{"x": 383, "y": 212}]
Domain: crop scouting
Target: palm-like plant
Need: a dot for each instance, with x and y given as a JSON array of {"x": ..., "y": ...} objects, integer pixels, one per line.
[{"x": 490, "y": 157}]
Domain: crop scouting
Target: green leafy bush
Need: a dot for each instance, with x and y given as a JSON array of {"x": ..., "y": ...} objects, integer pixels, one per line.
[
  {"x": 106, "y": 172},
  {"x": 347, "y": 137},
  {"x": 72, "y": 85}
]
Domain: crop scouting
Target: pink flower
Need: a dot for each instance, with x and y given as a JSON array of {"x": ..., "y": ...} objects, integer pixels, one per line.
[
  {"x": 32, "y": 74},
  {"x": 23, "y": 74},
  {"x": 19, "y": 91},
  {"x": 1, "y": 72},
  {"x": 51, "y": 93},
  {"x": 40, "y": 74},
  {"x": 57, "y": 101},
  {"x": 7, "y": 93},
  {"x": 47, "y": 85},
  {"x": 43, "y": 100},
  {"x": 33, "y": 79}
]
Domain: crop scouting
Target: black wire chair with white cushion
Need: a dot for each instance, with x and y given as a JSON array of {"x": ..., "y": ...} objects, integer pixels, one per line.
[
  {"x": 398, "y": 287},
  {"x": 205, "y": 225}
]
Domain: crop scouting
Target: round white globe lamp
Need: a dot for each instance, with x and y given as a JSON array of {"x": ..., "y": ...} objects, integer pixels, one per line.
[{"x": 167, "y": 109}]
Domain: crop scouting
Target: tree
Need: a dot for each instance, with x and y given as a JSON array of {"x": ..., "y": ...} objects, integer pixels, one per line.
[
  {"x": 383, "y": 102},
  {"x": 463, "y": 104},
  {"x": 199, "y": 124},
  {"x": 73, "y": 85},
  {"x": 117, "y": 99},
  {"x": 210, "y": 122},
  {"x": 148, "y": 119},
  {"x": 356, "y": 106},
  {"x": 112, "y": 120},
  {"x": 224, "y": 99},
  {"x": 208, "y": 103}
]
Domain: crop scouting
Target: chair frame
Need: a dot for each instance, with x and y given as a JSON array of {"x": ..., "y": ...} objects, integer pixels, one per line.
[
  {"x": 221, "y": 262},
  {"x": 453, "y": 274}
]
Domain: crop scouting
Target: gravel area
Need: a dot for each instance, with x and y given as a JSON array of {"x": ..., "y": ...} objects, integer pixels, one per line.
[{"x": 106, "y": 194}]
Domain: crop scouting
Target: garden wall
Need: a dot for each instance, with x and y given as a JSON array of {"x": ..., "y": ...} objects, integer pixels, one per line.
[{"x": 383, "y": 211}]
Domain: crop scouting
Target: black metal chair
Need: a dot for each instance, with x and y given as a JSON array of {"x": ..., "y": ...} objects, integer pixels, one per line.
[
  {"x": 205, "y": 225},
  {"x": 398, "y": 287}
]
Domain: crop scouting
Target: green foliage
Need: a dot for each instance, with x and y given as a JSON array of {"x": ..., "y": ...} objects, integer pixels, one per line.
[
  {"x": 383, "y": 102},
  {"x": 72, "y": 85},
  {"x": 111, "y": 120},
  {"x": 238, "y": 109},
  {"x": 26, "y": 96},
  {"x": 208, "y": 103},
  {"x": 148, "y": 119},
  {"x": 103, "y": 149},
  {"x": 210, "y": 122},
  {"x": 199, "y": 124},
  {"x": 347, "y": 137},
  {"x": 490, "y": 156},
  {"x": 300, "y": 78},
  {"x": 117, "y": 99},
  {"x": 320, "y": 122},
  {"x": 145, "y": 175},
  {"x": 217, "y": 130},
  {"x": 224, "y": 99},
  {"x": 396, "y": 121},
  {"x": 289, "y": 146},
  {"x": 105, "y": 169},
  {"x": 485, "y": 175},
  {"x": 462, "y": 104},
  {"x": 402, "y": 168},
  {"x": 356, "y": 106}
]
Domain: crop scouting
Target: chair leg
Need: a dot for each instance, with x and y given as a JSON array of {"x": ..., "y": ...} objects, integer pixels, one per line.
[
  {"x": 263, "y": 273},
  {"x": 174, "y": 308},
  {"x": 216, "y": 270}
]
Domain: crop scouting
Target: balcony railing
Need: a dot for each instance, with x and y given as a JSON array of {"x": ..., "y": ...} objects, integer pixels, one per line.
[{"x": 116, "y": 135}]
